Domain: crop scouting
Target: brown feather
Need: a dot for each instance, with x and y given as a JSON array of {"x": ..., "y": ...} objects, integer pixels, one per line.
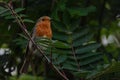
[{"x": 43, "y": 29}]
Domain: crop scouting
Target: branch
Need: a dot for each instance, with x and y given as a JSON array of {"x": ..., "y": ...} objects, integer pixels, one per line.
[
  {"x": 100, "y": 21},
  {"x": 52, "y": 4},
  {"x": 73, "y": 52},
  {"x": 101, "y": 16},
  {"x": 23, "y": 27}
]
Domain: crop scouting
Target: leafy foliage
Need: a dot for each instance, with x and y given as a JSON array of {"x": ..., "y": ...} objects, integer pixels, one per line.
[
  {"x": 26, "y": 77},
  {"x": 7, "y": 14},
  {"x": 74, "y": 47},
  {"x": 106, "y": 69}
]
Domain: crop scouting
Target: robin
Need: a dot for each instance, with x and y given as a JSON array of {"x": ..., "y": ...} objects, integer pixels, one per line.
[{"x": 41, "y": 29}]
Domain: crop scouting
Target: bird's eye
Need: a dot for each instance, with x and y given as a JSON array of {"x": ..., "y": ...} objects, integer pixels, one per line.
[{"x": 43, "y": 19}]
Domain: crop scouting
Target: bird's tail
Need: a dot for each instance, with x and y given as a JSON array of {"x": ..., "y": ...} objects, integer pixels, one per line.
[
  {"x": 25, "y": 65},
  {"x": 28, "y": 55},
  {"x": 27, "y": 61}
]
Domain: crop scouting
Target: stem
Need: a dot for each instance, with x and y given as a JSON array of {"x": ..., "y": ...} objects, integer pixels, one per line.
[
  {"x": 24, "y": 3},
  {"x": 73, "y": 51},
  {"x": 52, "y": 4},
  {"x": 51, "y": 50},
  {"x": 23, "y": 27},
  {"x": 100, "y": 21}
]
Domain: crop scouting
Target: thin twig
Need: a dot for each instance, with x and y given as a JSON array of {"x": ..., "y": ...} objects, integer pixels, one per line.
[
  {"x": 51, "y": 46},
  {"x": 52, "y": 4},
  {"x": 100, "y": 20},
  {"x": 73, "y": 51},
  {"x": 23, "y": 27}
]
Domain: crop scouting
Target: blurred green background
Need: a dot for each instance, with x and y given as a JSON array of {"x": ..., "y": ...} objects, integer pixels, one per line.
[{"x": 86, "y": 41}]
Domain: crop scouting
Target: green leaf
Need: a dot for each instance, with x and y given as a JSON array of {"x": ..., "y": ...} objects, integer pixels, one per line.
[
  {"x": 88, "y": 55},
  {"x": 62, "y": 5},
  {"x": 28, "y": 77},
  {"x": 61, "y": 51},
  {"x": 91, "y": 9},
  {"x": 74, "y": 25},
  {"x": 87, "y": 48},
  {"x": 114, "y": 67},
  {"x": 79, "y": 33},
  {"x": 12, "y": 17},
  {"x": 9, "y": 17},
  {"x": 82, "y": 40},
  {"x": 3, "y": 10},
  {"x": 61, "y": 58},
  {"x": 22, "y": 15},
  {"x": 6, "y": 14},
  {"x": 17, "y": 10},
  {"x": 23, "y": 36},
  {"x": 28, "y": 20},
  {"x": 59, "y": 26},
  {"x": 69, "y": 67},
  {"x": 81, "y": 73},
  {"x": 55, "y": 15},
  {"x": 78, "y": 12},
  {"x": 60, "y": 36},
  {"x": 59, "y": 44},
  {"x": 89, "y": 60},
  {"x": 66, "y": 19},
  {"x": 21, "y": 42},
  {"x": 55, "y": 56},
  {"x": 81, "y": 11}
]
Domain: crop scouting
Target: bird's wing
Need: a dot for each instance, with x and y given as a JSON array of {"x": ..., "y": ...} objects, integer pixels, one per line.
[{"x": 28, "y": 54}]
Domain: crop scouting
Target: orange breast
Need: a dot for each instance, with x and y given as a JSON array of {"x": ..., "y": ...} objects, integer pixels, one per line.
[{"x": 43, "y": 29}]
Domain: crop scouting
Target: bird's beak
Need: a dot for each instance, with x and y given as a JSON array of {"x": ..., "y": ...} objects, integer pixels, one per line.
[{"x": 51, "y": 19}]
